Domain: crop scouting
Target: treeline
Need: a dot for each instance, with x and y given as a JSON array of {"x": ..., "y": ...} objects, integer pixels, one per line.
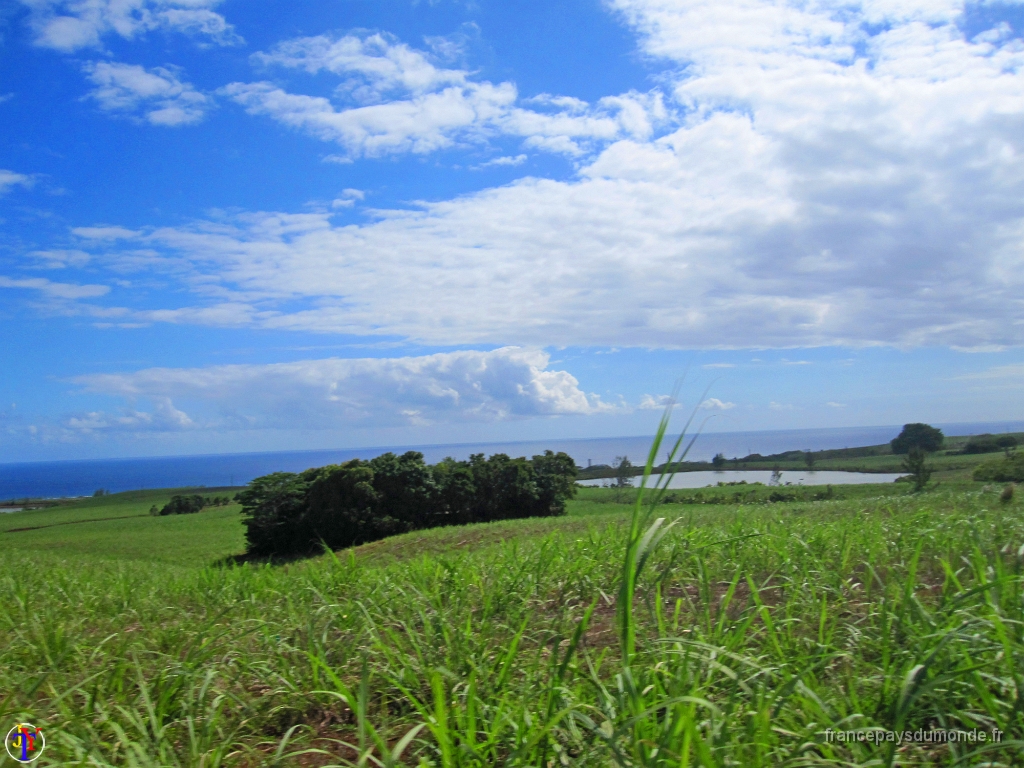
[
  {"x": 990, "y": 444},
  {"x": 360, "y": 501},
  {"x": 189, "y": 504}
]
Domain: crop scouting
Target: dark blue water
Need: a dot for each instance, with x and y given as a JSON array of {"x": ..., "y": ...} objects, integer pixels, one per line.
[{"x": 80, "y": 478}]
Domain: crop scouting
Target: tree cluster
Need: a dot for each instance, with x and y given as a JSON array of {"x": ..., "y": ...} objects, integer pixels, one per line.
[
  {"x": 190, "y": 504},
  {"x": 922, "y": 436},
  {"x": 360, "y": 501}
]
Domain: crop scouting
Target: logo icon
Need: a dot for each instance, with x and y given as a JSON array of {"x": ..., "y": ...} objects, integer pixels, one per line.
[{"x": 25, "y": 742}]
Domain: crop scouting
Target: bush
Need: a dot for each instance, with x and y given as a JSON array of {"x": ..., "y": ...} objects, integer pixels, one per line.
[
  {"x": 923, "y": 436},
  {"x": 990, "y": 444},
  {"x": 360, "y": 501},
  {"x": 184, "y": 505},
  {"x": 1009, "y": 469}
]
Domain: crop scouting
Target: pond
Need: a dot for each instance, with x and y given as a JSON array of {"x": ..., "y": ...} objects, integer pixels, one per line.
[{"x": 803, "y": 477}]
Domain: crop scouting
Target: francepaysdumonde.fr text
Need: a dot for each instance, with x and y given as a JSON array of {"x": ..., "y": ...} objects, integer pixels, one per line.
[{"x": 921, "y": 736}]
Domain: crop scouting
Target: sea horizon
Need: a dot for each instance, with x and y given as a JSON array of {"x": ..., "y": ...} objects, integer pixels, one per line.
[{"x": 81, "y": 477}]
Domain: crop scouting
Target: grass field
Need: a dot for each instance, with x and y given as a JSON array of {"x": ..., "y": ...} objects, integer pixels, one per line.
[{"x": 753, "y": 628}]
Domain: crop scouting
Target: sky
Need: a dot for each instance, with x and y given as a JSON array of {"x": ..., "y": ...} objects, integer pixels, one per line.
[{"x": 247, "y": 226}]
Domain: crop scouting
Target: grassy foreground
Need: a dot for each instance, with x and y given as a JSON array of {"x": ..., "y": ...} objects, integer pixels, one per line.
[{"x": 755, "y": 627}]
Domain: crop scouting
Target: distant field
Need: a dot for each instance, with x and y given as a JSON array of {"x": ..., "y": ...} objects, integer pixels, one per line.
[
  {"x": 758, "y": 625},
  {"x": 119, "y": 527}
]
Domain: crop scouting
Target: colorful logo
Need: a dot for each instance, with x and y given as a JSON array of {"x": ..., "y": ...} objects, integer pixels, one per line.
[{"x": 25, "y": 742}]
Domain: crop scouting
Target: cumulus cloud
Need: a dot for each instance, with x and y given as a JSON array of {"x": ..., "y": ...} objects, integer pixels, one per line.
[
  {"x": 656, "y": 402},
  {"x": 157, "y": 95},
  {"x": 840, "y": 176},
  {"x": 506, "y": 383},
  {"x": 56, "y": 290},
  {"x": 163, "y": 418},
  {"x": 393, "y": 98},
  {"x": 714, "y": 404},
  {"x": 9, "y": 179},
  {"x": 70, "y": 25}
]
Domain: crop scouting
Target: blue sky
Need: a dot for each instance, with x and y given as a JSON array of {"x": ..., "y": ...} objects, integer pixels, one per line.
[{"x": 234, "y": 226}]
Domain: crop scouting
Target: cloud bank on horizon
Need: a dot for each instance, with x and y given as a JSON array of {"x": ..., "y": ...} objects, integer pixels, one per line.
[{"x": 822, "y": 174}]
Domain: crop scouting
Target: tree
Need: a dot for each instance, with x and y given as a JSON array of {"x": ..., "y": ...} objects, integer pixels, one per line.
[
  {"x": 923, "y": 436},
  {"x": 623, "y": 472},
  {"x": 272, "y": 512},
  {"x": 184, "y": 505},
  {"x": 809, "y": 460},
  {"x": 556, "y": 482},
  {"x": 718, "y": 461},
  {"x": 914, "y": 465}
]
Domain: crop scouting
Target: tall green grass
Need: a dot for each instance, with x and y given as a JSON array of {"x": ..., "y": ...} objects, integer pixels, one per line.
[{"x": 733, "y": 636}]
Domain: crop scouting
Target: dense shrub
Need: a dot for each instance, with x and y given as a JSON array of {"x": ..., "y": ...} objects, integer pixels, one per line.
[
  {"x": 923, "y": 436},
  {"x": 359, "y": 501},
  {"x": 184, "y": 505},
  {"x": 1006, "y": 470},
  {"x": 990, "y": 444}
]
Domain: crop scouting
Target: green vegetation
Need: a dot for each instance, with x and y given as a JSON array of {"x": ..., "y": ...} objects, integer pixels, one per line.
[
  {"x": 952, "y": 461},
  {"x": 990, "y": 444},
  {"x": 1008, "y": 469},
  {"x": 361, "y": 501},
  {"x": 605, "y": 637},
  {"x": 917, "y": 469},
  {"x": 190, "y": 504},
  {"x": 923, "y": 437}
]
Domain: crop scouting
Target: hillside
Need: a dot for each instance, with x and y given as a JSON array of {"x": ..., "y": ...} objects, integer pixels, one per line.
[{"x": 758, "y": 625}]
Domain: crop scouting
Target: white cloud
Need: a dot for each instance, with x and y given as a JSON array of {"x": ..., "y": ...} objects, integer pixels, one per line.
[
  {"x": 70, "y": 25},
  {"x": 719, "y": 365},
  {"x": 104, "y": 233},
  {"x": 379, "y": 62},
  {"x": 9, "y": 179},
  {"x": 507, "y": 160},
  {"x": 838, "y": 178},
  {"x": 832, "y": 404},
  {"x": 56, "y": 290},
  {"x": 348, "y": 198},
  {"x": 507, "y": 383},
  {"x": 396, "y": 99},
  {"x": 714, "y": 404},
  {"x": 656, "y": 402},
  {"x": 421, "y": 124},
  {"x": 60, "y": 259},
  {"x": 163, "y": 418},
  {"x": 1013, "y": 372},
  {"x": 781, "y": 406},
  {"x": 157, "y": 94}
]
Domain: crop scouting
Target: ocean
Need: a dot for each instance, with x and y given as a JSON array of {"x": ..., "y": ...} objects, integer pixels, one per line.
[{"x": 56, "y": 479}]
